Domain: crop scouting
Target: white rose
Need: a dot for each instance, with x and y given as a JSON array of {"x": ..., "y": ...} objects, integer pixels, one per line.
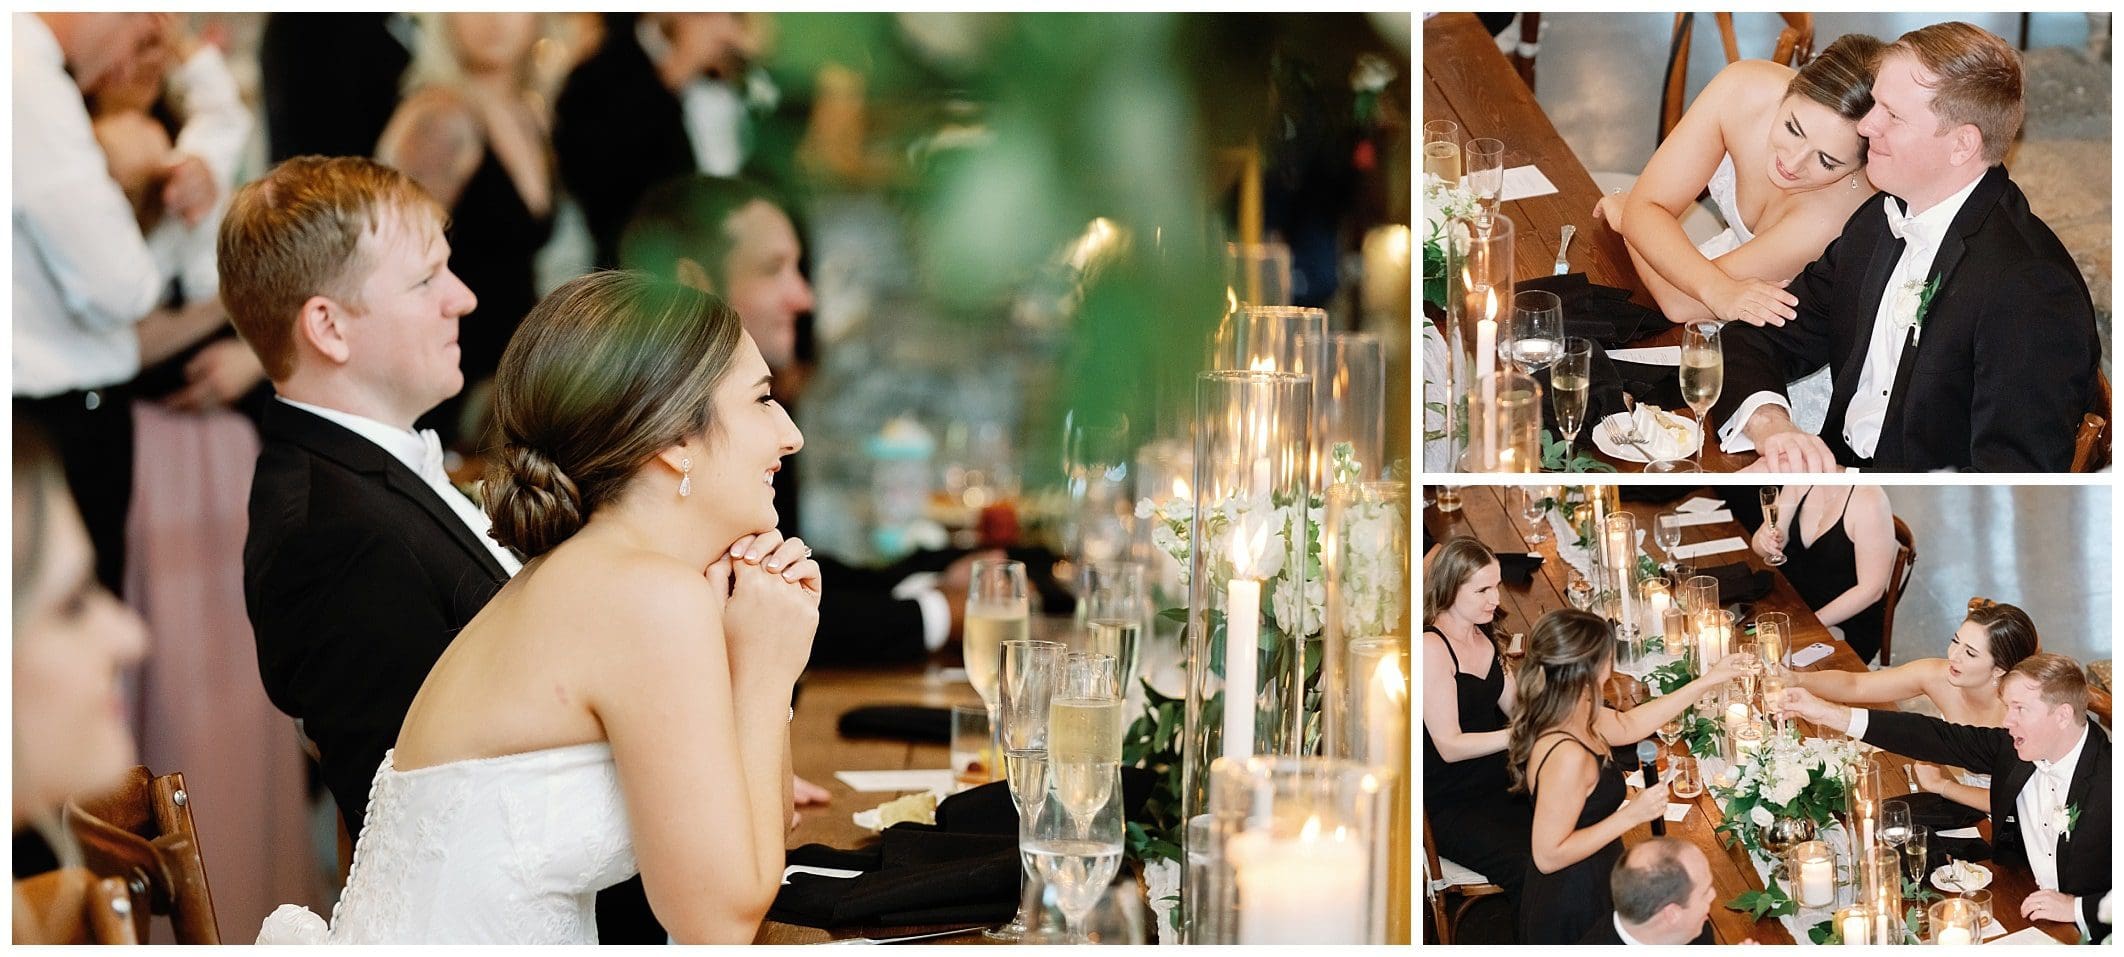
[{"x": 1761, "y": 816}]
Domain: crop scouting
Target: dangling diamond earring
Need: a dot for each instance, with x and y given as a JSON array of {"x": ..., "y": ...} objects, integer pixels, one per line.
[
  {"x": 685, "y": 477},
  {"x": 1853, "y": 181}
]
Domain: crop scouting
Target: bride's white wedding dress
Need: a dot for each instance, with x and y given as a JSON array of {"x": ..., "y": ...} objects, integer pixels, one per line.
[
  {"x": 510, "y": 849},
  {"x": 1809, "y": 394}
]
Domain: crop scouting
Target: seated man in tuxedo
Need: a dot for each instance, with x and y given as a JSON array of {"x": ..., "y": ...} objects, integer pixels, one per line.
[
  {"x": 2049, "y": 770},
  {"x": 362, "y": 560},
  {"x": 1662, "y": 891},
  {"x": 1958, "y": 329}
]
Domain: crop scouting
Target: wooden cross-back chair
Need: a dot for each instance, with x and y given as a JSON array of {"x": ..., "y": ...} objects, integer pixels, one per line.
[
  {"x": 74, "y": 906},
  {"x": 1795, "y": 44},
  {"x": 1898, "y": 579},
  {"x": 2090, "y": 448},
  {"x": 1437, "y": 885},
  {"x": 141, "y": 833}
]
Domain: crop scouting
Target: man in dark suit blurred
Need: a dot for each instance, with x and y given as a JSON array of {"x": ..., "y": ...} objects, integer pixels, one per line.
[
  {"x": 1662, "y": 891},
  {"x": 341, "y": 110},
  {"x": 362, "y": 560},
  {"x": 734, "y": 239},
  {"x": 658, "y": 98},
  {"x": 1958, "y": 329},
  {"x": 2049, "y": 767}
]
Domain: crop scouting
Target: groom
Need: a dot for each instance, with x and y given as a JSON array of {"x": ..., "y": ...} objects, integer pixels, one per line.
[
  {"x": 362, "y": 561},
  {"x": 2050, "y": 787},
  {"x": 1958, "y": 330}
]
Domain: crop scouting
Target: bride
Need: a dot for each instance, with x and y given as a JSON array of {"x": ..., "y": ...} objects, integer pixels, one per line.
[
  {"x": 1780, "y": 153},
  {"x": 623, "y": 702}
]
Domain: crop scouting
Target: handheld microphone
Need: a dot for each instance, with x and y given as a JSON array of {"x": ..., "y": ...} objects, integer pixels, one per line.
[{"x": 1648, "y": 759}]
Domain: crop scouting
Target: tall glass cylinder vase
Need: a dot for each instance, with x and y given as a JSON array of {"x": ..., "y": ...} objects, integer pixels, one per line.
[
  {"x": 1365, "y": 557},
  {"x": 1504, "y": 424},
  {"x": 1378, "y": 736},
  {"x": 1297, "y": 852},
  {"x": 1165, "y": 494},
  {"x": 1258, "y": 273},
  {"x": 1479, "y": 288},
  {"x": 1249, "y": 619},
  {"x": 1349, "y": 404},
  {"x": 1270, "y": 339},
  {"x": 1881, "y": 889}
]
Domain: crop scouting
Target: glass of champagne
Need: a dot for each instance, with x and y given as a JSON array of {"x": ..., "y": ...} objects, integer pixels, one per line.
[
  {"x": 1084, "y": 733},
  {"x": 1075, "y": 858},
  {"x": 1117, "y": 611},
  {"x": 1441, "y": 150},
  {"x": 1030, "y": 671},
  {"x": 1769, "y": 494},
  {"x": 1534, "y": 336},
  {"x": 1669, "y": 733},
  {"x": 1534, "y": 502},
  {"x": 1914, "y": 847},
  {"x": 997, "y": 610},
  {"x": 1667, "y": 533},
  {"x": 1485, "y": 173},
  {"x": 1570, "y": 384},
  {"x": 1703, "y": 376}
]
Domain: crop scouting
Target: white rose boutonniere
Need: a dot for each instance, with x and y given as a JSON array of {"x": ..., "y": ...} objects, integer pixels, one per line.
[
  {"x": 1911, "y": 303},
  {"x": 2064, "y": 819}
]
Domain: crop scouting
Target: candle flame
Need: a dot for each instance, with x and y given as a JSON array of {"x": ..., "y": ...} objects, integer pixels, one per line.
[
  {"x": 1231, "y": 300},
  {"x": 1249, "y": 540},
  {"x": 1392, "y": 683},
  {"x": 1311, "y": 831},
  {"x": 1489, "y": 306},
  {"x": 1263, "y": 364},
  {"x": 1180, "y": 490}
]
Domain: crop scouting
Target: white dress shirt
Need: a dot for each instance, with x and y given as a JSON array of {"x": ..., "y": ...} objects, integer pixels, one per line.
[
  {"x": 217, "y": 129},
  {"x": 1868, "y": 409},
  {"x": 2045, "y": 791},
  {"x": 714, "y": 111},
  {"x": 1624, "y": 933},
  {"x": 421, "y": 452},
  {"x": 83, "y": 274}
]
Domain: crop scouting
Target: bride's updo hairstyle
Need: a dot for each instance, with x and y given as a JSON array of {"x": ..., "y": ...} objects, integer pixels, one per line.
[
  {"x": 604, "y": 373},
  {"x": 1841, "y": 79}
]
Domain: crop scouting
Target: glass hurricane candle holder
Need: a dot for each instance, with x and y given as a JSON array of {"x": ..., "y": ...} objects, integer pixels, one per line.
[
  {"x": 1854, "y": 925},
  {"x": 1258, "y": 273},
  {"x": 1270, "y": 339},
  {"x": 1715, "y": 630},
  {"x": 1504, "y": 424},
  {"x": 1811, "y": 869},
  {"x": 1479, "y": 289},
  {"x": 1655, "y": 596},
  {"x": 1699, "y": 594},
  {"x": 1298, "y": 850},
  {"x": 1248, "y": 616},
  {"x": 1881, "y": 888},
  {"x": 1379, "y": 738},
  {"x": 1955, "y": 922},
  {"x": 1365, "y": 557},
  {"x": 1349, "y": 401}
]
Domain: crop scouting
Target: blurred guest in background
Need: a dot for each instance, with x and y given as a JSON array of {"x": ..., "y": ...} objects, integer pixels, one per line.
[
  {"x": 473, "y": 132},
  {"x": 311, "y": 110}
]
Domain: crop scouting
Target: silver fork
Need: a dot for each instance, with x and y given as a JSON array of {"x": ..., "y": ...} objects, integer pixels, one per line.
[
  {"x": 1625, "y": 431},
  {"x": 1563, "y": 248}
]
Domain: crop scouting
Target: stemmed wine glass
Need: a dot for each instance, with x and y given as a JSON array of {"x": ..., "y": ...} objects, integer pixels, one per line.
[
  {"x": 1668, "y": 734},
  {"x": 1769, "y": 496},
  {"x": 1534, "y": 502},
  {"x": 1029, "y": 672},
  {"x": 1485, "y": 174},
  {"x": 1667, "y": 532},
  {"x": 1703, "y": 376},
  {"x": 1075, "y": 851},
  {"x": 1570, "y": 384},
  {"x": 1534, "y": 336}
]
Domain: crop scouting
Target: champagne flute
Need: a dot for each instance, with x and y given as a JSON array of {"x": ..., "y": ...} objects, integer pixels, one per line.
[
  {"x": 1075, "y": 856},
  {"x": 1084, "y": 733},
  {"x": 1769, "y": 496},
  {"x": 1441, "y": 150},
  {"x": 997, "y": 610},
  {"x": 1667, "y": 532},
  {"x": 1570, "y": 384},
  {"x": 1703, "y": 376},
  {"x": 1485, "y": 173},
  {"x": 1670, "y": 732},
  {"x": 1117, "y": 612},
  {"x": 1029, "y": 673},
  {"x": 1534, "y": 336}
]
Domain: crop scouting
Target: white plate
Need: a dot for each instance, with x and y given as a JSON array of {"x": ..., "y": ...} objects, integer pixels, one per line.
[
  {"x": 1629, "y": 453},
  {"x": 1941, "y": 878}
]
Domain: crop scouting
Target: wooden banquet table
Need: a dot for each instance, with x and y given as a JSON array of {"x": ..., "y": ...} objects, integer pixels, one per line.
[
  {"x": 1466, "y": 80},
  {"x": 1485, "y": 515}
]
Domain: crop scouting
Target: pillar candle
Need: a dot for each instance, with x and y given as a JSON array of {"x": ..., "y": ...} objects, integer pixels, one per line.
[
  {"x": 1242, "y": 642},
  {"x": 1304, "y": 891}
]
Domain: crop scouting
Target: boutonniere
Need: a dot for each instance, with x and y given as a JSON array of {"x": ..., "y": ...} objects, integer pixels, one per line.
[
  {"x": 2064, "y": 819},
  {"x": 1911, "y": 304}
]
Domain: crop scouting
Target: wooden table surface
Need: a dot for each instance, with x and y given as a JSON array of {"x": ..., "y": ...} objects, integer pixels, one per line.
[
  {"x": 1484, "y": 514},
  {"x": 1466, "y": 80}
]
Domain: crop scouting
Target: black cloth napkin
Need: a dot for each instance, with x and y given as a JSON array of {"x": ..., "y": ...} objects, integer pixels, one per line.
[
  {"x": 1603, "y": 314},
  {"x": 1738, "y": 583},
  {"x": 1518, "y": 568},
  {"x": 1940, "y": 814},
  {"x": 963, "y": 869},
  {"x": 899, "y": 722}
]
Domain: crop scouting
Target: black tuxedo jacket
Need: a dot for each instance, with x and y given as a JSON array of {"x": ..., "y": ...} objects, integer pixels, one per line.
[
  {"x": 617, "y": 130},
  {"x": 1604, "y": 933},
  {"x": 2083, "y": 855},
  {"x": 1998, "y": 376}
]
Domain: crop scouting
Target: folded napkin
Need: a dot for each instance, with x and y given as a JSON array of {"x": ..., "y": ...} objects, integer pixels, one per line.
[
  {"x": 1939, "y": 814},
  {"x": 1661, "y": 434},
  {"x": 1603, "y": 314},
  {"x": 1716, "y": 546},
  {"x": 1736, "y": 582},
  {"x": 898, "y": 722},
  {"x": 988, "y": 810},
  {"x": 1518, "y": 568}
]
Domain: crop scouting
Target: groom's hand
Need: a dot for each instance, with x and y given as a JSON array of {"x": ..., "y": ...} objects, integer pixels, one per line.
[{"x": 1782, "y": 447}]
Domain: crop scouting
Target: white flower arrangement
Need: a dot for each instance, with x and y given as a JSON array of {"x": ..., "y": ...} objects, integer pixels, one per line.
[{"x": 1785, "y": 778}]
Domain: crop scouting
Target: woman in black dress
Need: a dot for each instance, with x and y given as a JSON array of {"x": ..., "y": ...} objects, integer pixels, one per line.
[
  {"x": 1559, "y": 754},
  {"x": 1475, "y": 819},
  {"x": 1839, "y": 548}
]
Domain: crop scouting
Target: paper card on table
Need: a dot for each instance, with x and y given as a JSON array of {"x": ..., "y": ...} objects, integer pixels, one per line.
[
  {"x": 1635, "y": 779},
  {"x": 1969, "y": 832},
  {"x": 820, "y": 871},
  {"x": 1700, "y": 504},
  {"x": 1992, "y": 928},
  {"x": 1652, "y": 356},
  {"x": 1675, "y": 812},
  {"x": 2027, "y": 935},
  {"x": 1522, "y": 182},
  {"x": 918, "y": 780},
  {"x": 1704, "y": 518},
  {"x": 1811, "y": 654},
  {"x": 1701, "y": 549}
]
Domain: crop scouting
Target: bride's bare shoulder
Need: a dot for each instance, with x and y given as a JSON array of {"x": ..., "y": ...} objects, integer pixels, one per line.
[{"x": 638, "y": 597}]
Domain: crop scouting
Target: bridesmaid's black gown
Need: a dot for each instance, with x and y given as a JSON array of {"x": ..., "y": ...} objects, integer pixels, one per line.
[
  {"x": 1476, "y": 820},
  {"x": 1828, "y": 568},
  {"x": 1560, "y": 908}
]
